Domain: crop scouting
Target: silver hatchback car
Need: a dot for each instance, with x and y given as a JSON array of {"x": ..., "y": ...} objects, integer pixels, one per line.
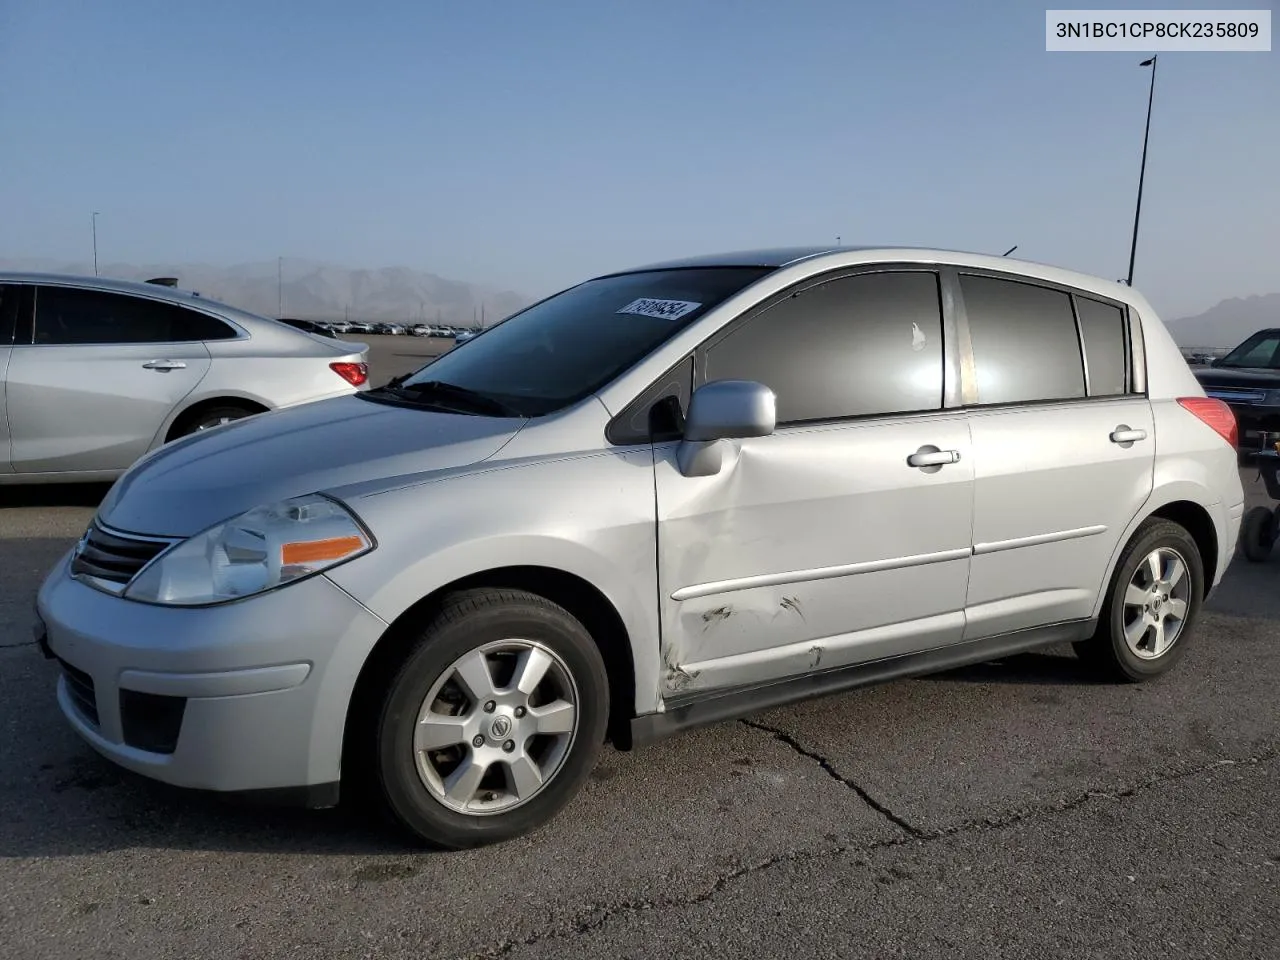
[
  {"x": 95, "y": 372},
  {"x": 658, "y": 499}
]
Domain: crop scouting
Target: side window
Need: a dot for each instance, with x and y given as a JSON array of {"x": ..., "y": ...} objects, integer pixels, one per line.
[
  {"x": 190, "y": 325},
  {"x": 67, "y": 315},
  {"x": 1103, "y": 329},
  {"x": 8, "y": 313},
  {"x": 1025, "y": 344},
  {"x": 656, "y": 415},
  {"x": 863, "y": 345}
]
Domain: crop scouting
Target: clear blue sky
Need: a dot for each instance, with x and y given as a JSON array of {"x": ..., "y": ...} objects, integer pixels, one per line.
[{"x": 529, "y": 144}]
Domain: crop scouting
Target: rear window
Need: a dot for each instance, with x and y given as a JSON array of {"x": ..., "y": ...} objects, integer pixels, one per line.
[{"x": 574, "y": 343}]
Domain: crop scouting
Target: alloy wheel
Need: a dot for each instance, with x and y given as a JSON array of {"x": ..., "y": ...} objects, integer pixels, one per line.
[
  {"x": 496, "y": 727},
  {"x": 1156, "y": 603}
]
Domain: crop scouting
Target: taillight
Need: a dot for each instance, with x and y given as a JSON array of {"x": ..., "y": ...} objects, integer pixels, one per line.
[
  {"x": 354, "y": 373},
  {"x": 1215, "y": 414}
]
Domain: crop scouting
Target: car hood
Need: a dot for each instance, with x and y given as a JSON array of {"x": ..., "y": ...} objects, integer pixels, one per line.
[
  {"x": 185, "y": 487},
  {"x": 1262, "y": 378}
]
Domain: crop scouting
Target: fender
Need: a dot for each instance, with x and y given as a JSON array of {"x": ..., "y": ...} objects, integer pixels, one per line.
[
  {"x": 593, "y": 518},
  {"x": 1171, "y": 492}
]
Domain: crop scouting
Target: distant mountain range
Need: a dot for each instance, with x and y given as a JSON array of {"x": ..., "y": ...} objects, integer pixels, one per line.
[
  {"x": 322, "y": 291},
  {"x": 1228, "y": 323},
  {"x": 316, "y": 291}
]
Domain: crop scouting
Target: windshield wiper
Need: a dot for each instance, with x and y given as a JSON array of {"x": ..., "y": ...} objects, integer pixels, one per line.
[{"x": 464, "y": 396}]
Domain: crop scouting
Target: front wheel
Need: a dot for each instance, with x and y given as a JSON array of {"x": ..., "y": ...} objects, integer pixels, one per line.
[
  {"x": 493, "y": 721},
  {"x": 1151, "y": 606}
]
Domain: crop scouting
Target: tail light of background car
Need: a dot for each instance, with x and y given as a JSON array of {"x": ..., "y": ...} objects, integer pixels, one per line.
[
  {"x": 1215, "y": 414},
  {"x": 354, "y": 373}
]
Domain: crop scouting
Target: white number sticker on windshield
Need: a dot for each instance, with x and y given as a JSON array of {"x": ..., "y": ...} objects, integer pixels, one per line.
[{"x": 663, "y": 309}]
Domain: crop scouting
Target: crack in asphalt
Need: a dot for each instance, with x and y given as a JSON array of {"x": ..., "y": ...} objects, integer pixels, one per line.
[
  {"x": 830, "y": 770},
  {"x": 595, "y": 917}
]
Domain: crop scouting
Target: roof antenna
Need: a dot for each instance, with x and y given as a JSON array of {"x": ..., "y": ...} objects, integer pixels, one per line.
[{"x": 1010, "y": 250}]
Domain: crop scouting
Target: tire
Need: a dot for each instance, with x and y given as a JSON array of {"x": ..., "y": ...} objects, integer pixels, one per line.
[
  {"x": 1140, "y": 655},
  {"x": 1258, "y": 533},
  {"x": 212, "y": 417},
  {"x": 427, "y": 791}
]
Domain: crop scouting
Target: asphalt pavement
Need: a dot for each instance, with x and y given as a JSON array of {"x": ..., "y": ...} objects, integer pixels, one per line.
[{"x": 1015, "y": 809}]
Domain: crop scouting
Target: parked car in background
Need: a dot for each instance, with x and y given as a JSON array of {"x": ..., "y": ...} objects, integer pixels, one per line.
[
  {"x": 97, "y": 372},
  {"x": 1248, "y": 380},
  {"x": 463, "y": 336},
  {"x": 310, "y": 326},
  {"x": 659, "y": 499}
]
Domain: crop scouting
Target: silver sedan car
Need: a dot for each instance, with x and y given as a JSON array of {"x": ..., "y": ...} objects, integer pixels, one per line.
[{"x": 95, "y": 373}]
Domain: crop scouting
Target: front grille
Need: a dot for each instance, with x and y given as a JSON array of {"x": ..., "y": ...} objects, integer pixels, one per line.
[
  {"x": 150, "y": 721},
  {"x": 80, "y": 688},
  {"x": 1229, "y": 395},
  {"x": 114, "y": 557}
]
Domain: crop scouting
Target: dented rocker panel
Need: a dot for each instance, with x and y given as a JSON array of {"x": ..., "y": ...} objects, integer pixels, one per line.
[{"x": 690, "y": 711}]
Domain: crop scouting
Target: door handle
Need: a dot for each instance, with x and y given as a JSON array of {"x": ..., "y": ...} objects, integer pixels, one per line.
[
  {"x": 165, "y": 365},
  {"x": 1125, "y": 434},
  {"x": 933, "y": 458}
]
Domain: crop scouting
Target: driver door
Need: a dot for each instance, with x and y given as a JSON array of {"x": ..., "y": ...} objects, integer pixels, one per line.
[{"x": 829, "y": 542}]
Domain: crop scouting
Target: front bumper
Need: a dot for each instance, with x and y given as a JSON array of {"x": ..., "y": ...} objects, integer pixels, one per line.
[{"x": 246, "y": 696}]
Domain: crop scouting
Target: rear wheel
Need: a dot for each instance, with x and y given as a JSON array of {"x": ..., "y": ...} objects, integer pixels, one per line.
[
  {"x": 1151, "y": 607},
  {"x": 211, "y": 417},
  {"x": 493, "y": 721}
]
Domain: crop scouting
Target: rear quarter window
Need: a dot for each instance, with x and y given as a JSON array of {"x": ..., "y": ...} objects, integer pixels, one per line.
[{"x": 1102, "y": 328}]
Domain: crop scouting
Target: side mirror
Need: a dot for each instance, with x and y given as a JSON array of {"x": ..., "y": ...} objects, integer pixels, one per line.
[{"x": 723, "y": 410}]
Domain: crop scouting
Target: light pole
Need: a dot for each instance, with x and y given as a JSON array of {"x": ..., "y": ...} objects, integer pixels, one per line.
[
  {"x": 1142, "y": 172},
  {"x": 279, "y": 287},
  {"x": 94, "y": 221}
]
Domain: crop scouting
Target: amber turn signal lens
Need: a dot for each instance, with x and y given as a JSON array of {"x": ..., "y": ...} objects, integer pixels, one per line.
[{"x": 313, "y": 551}]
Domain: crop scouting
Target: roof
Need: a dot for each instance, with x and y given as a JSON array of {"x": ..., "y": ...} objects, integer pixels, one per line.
[
  {"x": 835, "y": 257},
  {"x": 104, "y": 283},
  {"x": 110, "y": 284},
  {"x": 767, "y": 257}
]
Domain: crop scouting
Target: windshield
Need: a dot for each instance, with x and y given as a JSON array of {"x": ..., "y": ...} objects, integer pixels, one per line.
[
  {"x": 1260, "y": 350},
  {"x": 569, "y": 346}
]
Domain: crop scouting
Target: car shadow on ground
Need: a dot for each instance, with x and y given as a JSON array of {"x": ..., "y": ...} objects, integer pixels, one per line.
[
  {"x": 1054, "y": 666},
  {"x": 53, "y": 494},
  {"x": 65, "y": 800}
]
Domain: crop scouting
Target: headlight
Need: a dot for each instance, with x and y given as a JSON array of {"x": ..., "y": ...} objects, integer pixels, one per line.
[{"x": 260, "y": 550}]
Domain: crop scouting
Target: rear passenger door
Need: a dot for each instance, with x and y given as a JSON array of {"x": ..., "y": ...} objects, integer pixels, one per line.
[
  {"x": 89, "y": 389},
  {"x": 1063, "y": 448}
]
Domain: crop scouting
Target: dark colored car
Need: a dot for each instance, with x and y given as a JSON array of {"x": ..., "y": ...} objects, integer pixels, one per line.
[{"x": 1248, "y": 380}]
